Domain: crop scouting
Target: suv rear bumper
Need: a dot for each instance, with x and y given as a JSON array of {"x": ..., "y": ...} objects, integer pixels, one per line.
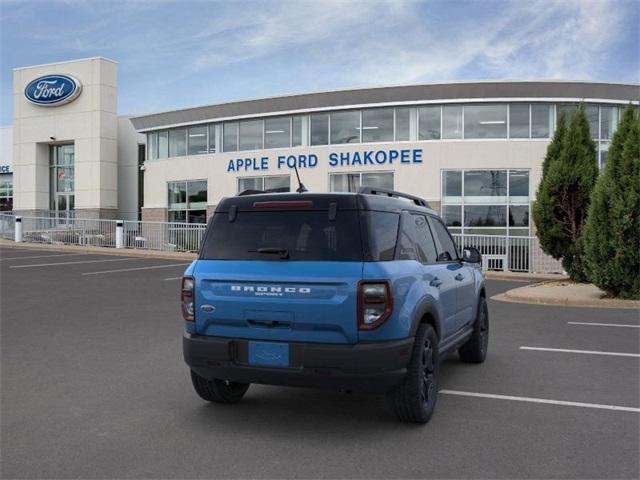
[{"x": 370, "y": 367}]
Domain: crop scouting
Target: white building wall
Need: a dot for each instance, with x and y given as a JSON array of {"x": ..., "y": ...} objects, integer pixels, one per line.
[
  {"x": 90, "y": 122},
  {"x": 421, "y": 179},
  {"x": 128, "y": 169}
]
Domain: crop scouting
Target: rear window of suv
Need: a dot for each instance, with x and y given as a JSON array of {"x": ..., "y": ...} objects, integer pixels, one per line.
[{"x": 284, "y": 235}]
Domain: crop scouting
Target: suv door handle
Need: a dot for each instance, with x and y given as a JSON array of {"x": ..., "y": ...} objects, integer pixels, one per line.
[
  {"x": 459, "y": 277},
  {"x": 436, "y": 282}
]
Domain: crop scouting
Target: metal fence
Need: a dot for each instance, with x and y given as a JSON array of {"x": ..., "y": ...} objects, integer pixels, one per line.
[
  {"x": 517, "y": 254},
  {"x": 7, "y": 226},
  {"x": 67, "y": 231},
  {"x": 180, "y": 237}
]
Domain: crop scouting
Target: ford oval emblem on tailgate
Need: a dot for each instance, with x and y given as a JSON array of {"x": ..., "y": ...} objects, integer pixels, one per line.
[{"x": 208, "y": 308}]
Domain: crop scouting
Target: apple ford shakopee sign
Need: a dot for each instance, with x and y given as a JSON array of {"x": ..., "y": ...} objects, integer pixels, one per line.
[{"x": 53, "y": 90}]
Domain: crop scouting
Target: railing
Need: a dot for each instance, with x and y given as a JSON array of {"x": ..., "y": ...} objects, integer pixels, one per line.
[
  {"x": 185, "y": 237},
  {"x": 7, "y": 226},
  {"x": 516, "y": 254},
  {"x": 69, "y": 231}
]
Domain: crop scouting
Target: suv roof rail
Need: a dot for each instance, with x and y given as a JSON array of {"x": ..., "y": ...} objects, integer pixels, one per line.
[
  {"x": 258, "y": 192},
  {"x": 392, "y": 193}
]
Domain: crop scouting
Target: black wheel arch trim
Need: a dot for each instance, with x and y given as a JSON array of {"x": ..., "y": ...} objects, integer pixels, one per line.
[{"x": 427, "y": 308}]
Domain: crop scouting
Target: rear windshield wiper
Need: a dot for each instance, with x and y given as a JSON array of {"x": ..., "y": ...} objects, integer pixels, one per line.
[{"x": 283, "y": 252}]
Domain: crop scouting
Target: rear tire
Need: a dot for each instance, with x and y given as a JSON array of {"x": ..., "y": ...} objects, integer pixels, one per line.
[
  {"x": 475, "y": 350},
  {"x": 415, "y": 399},
  {"x": 218, "y": 391}
]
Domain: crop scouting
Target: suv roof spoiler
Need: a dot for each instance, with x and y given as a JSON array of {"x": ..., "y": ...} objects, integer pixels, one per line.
[{"x": 392, "y": 193}]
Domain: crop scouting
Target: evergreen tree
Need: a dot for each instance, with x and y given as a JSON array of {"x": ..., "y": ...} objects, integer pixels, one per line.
[
  {"x": 564, "y": 194},
  {"x": 612, "y": 233}
]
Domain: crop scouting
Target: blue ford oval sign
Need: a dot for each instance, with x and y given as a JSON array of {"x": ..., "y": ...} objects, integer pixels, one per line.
[{"x": 53, "y": 90}]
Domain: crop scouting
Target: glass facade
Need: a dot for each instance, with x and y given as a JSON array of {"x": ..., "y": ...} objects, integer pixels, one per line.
[
  {"x": 351, "y": 182},
  {"x": 6, "y": 192},
  {"x": 384, "y": 124},
  {"x": 187, "y": 201},
  {"x": 488, "y": 202},
  {"x": 281, "y": 183},
  {"x": 377, "y": 125},
  {"x": 62, "y": 179},
  {"x": 485, "y": 121}
]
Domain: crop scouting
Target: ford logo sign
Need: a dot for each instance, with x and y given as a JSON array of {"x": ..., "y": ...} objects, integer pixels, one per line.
[{"x": 53, "y": 90}]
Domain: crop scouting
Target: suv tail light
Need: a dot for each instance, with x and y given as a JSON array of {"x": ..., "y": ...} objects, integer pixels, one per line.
[
  {"x": 187, "y": 295},
  {"x": 375, "y": 304}
]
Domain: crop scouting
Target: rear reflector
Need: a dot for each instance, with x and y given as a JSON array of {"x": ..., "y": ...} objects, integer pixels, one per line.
[{"x": 284, "y": 204}]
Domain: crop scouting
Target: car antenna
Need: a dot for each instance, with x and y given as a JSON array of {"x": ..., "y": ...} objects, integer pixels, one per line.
[{"x": 301, "y": 188}]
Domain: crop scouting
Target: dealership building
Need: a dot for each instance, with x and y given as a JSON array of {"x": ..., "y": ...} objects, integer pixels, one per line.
[{"x": 473, "y": 150}]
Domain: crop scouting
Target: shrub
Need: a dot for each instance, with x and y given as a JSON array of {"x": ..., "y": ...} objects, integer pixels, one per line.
[{"x": 612, "y": 245}]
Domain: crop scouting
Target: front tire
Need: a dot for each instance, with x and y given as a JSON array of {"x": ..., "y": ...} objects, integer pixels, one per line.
[
  {"x": 218, "y": 391},
  {"x": 475, "y": 349},
  {"x": 415, "y": 399}
]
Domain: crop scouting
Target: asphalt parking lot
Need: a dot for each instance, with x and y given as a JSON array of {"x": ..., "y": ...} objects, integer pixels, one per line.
[{"x": 94, "y": 386}]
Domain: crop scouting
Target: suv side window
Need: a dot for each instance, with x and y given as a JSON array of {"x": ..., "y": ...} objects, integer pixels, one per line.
[
  {"x": 447, "y": 250},
  {"x": 416, "y": 242}
]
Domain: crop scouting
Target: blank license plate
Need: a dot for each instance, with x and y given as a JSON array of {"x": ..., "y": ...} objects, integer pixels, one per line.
[{"x": 269, "y": 354}]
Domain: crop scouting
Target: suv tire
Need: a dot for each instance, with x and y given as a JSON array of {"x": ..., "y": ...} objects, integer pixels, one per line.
[
  {"x": 415, "y": 399},
  {"x": 475, "y": 349},
  {"x": 218, "y": 391}
]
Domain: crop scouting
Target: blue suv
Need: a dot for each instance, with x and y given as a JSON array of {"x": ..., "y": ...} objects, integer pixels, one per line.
[{"x": 353, "y": 291}]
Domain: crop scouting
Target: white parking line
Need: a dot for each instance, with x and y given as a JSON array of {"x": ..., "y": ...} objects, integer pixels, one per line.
[
  {"x": 138, "y": 268},
  {"x": 173, "y": 278},
  {"x": 74, "y": 263},
  {"x": 588, "y": 352},
  {"x": 541, "y": 400},
  {"x": 41, "y": 256},
  {"x": 622, "y": 325}
]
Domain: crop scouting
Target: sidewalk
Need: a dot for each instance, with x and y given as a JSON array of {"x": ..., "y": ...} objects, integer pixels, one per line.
[
  {"x": 127, "y": 252},
  {"x": 564, "y": 292}
]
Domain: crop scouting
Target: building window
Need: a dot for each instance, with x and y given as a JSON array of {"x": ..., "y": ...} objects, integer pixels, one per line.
[
  {"x": 377, "y": 125},
  {"x": 541, "y": 120},
  {"x": 61, "y": 179},
  {"x": 212, "y": 138},
  {"x": 452, "y": 121},
  {"x": 280, "y": 183},
  {"x": 251, "y": 135},
  {"x": 345, "y": 127},
  {"x": 608, "y": 122},
  {"x": 178, "y": 142},
  {"x": 403, "y": 124},
  {"x": 592, "y": 113},
  {"x": 188, "y": 201},
  {"x": 351, "y": 182},
  {"x": 230, "y": 137},
  {"x": 277, "y": 132},
  {"x": 429, "y": 123},
  {"x": 320, "y": 129},
  {"x": 487, "y": 202},
  {"x": 519, "y": 120},
  {"x": 163, "y": 144},
  {"x": 197, "y": 140},
  {"x": 485, "y": 121},
  {"x": 152, "y": 146},
  {"x": 296, "y": 131},
  {"x": 6, "y": 192}
]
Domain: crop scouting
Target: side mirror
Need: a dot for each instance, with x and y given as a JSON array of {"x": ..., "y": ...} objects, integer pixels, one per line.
[{"x": 471, "y": 255}]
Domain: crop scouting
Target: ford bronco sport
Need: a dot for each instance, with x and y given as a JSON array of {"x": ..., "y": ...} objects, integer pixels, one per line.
[{"x": 354, "y": 291}]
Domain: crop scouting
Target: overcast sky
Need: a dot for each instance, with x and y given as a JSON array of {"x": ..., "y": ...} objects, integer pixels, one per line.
[{"x": 178, "y": 54}]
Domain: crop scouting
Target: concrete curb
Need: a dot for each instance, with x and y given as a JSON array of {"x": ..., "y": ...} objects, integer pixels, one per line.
[
  {"x": 125, "y": 252},
  {"x": 524, "y": 276},
  {"x": 536, "y": 294}
]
